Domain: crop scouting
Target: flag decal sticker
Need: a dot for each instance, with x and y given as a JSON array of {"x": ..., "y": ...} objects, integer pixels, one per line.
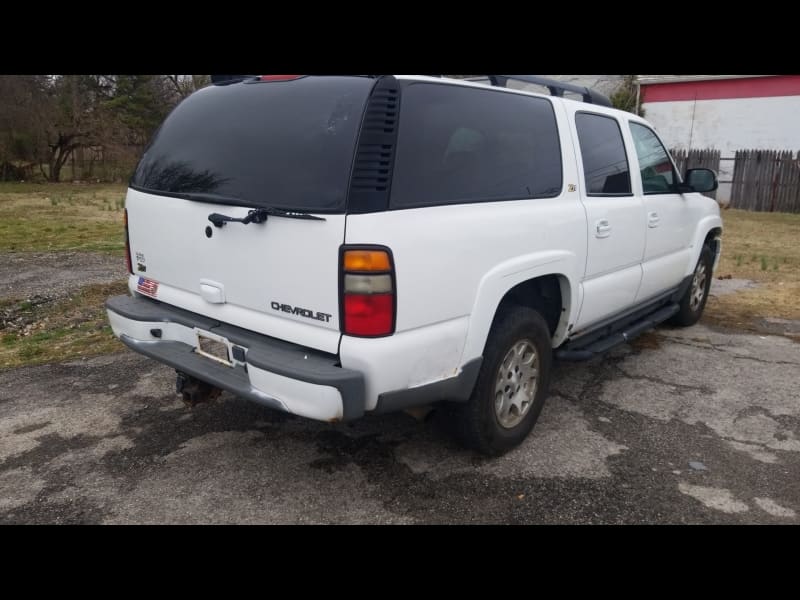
[{"x": 148, "y": 287}]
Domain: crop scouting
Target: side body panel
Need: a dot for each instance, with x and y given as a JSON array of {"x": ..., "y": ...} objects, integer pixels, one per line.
[
  {"x": 615, "y": 233},
  {"x": 453, "y": 266},
  {"x": 672, "y": 222}
]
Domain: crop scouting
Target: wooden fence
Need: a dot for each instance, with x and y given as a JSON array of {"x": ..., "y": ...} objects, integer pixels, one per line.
[
  {"x": 766, "y": 180},
  {"x": 692, "y": 159}
]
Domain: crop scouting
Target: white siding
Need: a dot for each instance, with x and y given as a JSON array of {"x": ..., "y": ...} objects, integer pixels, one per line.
[
  {"x": 728, "y": 125},
  {"x": 605, "y": 84}
]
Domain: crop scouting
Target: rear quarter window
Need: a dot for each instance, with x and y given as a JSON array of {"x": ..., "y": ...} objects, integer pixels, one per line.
[{"x": 459, "y": 145}]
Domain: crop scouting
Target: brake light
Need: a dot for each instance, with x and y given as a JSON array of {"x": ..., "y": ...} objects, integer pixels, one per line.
[
  {"x": 368, "y": 292},
  {"x": 128, "y": 261},
  {"x": 279, "y": 77}
]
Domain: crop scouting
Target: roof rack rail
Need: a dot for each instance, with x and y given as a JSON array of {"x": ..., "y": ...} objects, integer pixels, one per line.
[{"x": 557, "y": 88}]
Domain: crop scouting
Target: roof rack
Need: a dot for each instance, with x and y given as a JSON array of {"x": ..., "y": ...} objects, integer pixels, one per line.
[{"x": 557, "y": 88}]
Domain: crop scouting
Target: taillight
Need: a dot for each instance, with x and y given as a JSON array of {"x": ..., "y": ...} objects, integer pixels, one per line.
[
  {"x": 368, "y": 291},
  {"x": 279, "y": 77},
  {"x": 128, "y": 262}
]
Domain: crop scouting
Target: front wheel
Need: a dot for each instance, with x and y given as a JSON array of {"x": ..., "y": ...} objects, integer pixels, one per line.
[
  {"x": 512, "y": 384},
  {"x": 694, "y": 300}
]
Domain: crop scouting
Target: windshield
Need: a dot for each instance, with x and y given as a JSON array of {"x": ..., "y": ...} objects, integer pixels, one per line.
[{"x": 286, "y": 144}]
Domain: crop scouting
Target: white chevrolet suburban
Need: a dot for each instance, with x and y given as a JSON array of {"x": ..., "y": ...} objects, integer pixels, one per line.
[{"x": 331, "y": 246}]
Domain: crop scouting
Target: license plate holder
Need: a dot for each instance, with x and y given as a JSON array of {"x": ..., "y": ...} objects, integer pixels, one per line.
[{"x": 214, "y": 347}]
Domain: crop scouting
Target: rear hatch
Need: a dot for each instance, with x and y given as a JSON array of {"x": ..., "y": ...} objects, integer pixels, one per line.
[{"x": 231, "y": 149}]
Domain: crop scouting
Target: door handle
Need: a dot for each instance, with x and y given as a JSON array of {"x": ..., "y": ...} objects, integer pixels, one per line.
[
  {"x": 653, "y": 219},
  {"x": 602, "y": 228}
]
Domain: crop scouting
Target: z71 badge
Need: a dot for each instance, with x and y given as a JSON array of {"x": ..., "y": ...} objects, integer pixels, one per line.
[{"x": 303, "y": 312}]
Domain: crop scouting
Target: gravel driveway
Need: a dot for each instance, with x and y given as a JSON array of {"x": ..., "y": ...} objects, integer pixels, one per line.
[{"x": 55, "y": 275}]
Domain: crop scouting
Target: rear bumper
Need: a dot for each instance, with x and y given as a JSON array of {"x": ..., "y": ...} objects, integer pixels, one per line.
[{"x": 274, "y": 373}]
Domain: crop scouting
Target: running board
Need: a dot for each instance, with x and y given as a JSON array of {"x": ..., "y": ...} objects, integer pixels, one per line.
[{"x": 574, "y": 350}]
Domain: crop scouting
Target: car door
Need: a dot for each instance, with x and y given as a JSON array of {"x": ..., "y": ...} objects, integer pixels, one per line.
[
  {"x": 615, "y": 218},
  {"x": 667, "y": 213}
]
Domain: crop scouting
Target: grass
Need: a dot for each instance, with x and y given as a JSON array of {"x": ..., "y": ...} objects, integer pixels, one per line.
[
  {"x": 54, "y": 218},
  {"x": 763, "y": 247},
  {"x": 73, "y": 328},
  {"x": 63, "y": 216}
]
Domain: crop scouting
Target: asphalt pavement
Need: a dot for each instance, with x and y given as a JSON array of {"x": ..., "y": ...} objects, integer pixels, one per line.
[{"x": 684, "y": 426}]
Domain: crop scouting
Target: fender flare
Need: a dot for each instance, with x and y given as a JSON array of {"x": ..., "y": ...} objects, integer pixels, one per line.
[
  {"x": 705, "y": 225},
  {"x": 496, "y": 283}
]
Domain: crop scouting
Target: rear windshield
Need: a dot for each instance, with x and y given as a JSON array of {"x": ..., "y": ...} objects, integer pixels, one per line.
[{"x": 285, "y": 144}]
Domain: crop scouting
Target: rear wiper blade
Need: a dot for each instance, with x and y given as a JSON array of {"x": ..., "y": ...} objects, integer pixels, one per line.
[{"x": 260, "y": 215}]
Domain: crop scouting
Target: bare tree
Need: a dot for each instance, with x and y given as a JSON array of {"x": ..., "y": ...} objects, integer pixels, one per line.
[
  {"x": 72, "y": 117},
  {"x": 24, "y": 111},
  {"x": 46, "y": 120},
  {"x": 187, "y": 84}
]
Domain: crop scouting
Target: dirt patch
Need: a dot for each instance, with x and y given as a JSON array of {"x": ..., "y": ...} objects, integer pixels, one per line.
[
  {"x": 53, "y": 275},
  {"x": 752, "y": 309},
  {"x": 45, "y": 329},
  {"x": 787, "y": 327},
  {"x": 724, "y": 287},
  {"x": 647, "y": 341}
]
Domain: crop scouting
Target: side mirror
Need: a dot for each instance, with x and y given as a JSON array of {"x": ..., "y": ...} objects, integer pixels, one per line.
[{"x": 701, "y": 180}]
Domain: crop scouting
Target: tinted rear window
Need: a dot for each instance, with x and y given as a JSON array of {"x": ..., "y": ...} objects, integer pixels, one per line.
[
  {"x": 458, "y": 145},
  {"x": 284, "y": 144}
]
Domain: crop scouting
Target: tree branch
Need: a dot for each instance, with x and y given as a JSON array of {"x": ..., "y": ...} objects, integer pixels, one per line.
[{"x": 174, "y": 80}]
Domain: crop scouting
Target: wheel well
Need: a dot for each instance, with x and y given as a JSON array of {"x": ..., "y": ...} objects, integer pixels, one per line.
[
  {"x": 711, "y": 240},
  {"x": 542, "y": 294}
]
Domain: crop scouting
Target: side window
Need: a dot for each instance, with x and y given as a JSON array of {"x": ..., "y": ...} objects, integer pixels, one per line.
[
  {"x": 605, "y": 163},
  {"x": 457, "y": 145},
  {"x": 658, "y": 174}
]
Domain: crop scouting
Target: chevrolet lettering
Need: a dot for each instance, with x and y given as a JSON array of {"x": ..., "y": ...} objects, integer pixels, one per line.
[{"x": 303, "y": 312}]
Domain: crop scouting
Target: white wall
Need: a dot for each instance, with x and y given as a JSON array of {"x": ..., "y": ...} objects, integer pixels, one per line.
[
  {"x": 728, "y": 125},
  {"x": 605, "y": 84}
]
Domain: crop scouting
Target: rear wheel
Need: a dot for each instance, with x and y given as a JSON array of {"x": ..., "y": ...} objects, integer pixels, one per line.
[
  {"x": 512, "y": 384},
  {"x": 694, "y": 300}
]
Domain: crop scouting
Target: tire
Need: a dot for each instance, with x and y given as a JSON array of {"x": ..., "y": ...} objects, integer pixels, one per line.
[
  {"x": 494, "y": 428},
  {"x": 694, "y": 300}
]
